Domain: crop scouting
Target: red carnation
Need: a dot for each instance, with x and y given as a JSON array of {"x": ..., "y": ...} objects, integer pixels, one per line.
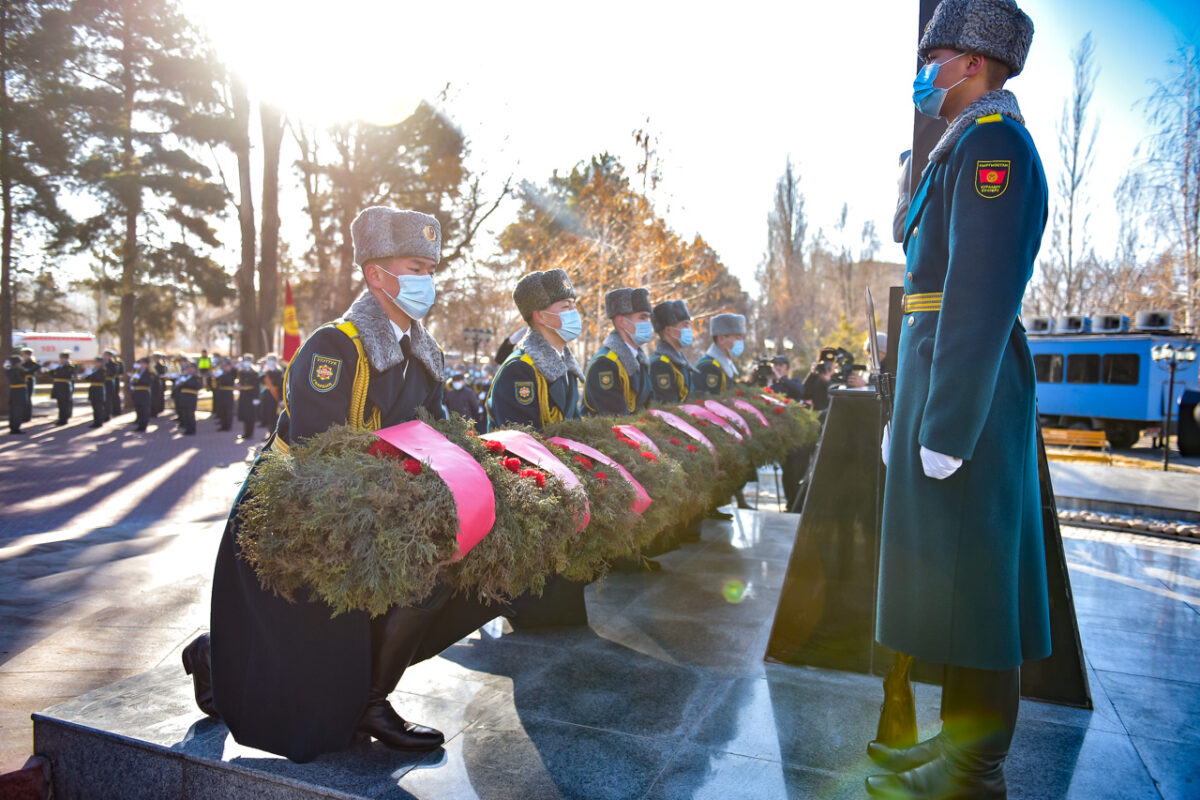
[
  {"x": 692, "y": 448},
  {"x": 494, "y": 446},
  {"x": 381, "y": 449},
  {"x": 740, "y": 393},
  {"x": 472, "y": 433},
  {"x": 602, "y": 476},
  {"x": 646, "y": 454},
  {"x": 584, "y": 461},
  {"x": 703, "y": 423},
  {"x": 778, "y": 409},
  {"x": 628, "y": 441},
  {"x": 673, "y": 441},
  {"x": 643, "y": 419},
  {"x": 412, "y": 466},
  {"x": 617, "y": 430},
  {"x": 768, "y": 390},
  {"x": 512, "y": 464}
]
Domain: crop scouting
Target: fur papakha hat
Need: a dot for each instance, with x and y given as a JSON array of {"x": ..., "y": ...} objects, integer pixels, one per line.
[
  {"x": 669, "y": 312},
  {"x": 727, "y": 325},
  {"x": 538, "y": 291},
  {"x": 382, "y": 232},
  {"x": 993, "y": 28},
  {"x": 620, "y": 302}
]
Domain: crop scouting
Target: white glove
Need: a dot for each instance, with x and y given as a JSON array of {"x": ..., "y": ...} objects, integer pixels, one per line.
[
  {"x": 938, "y": 466},
  {"x": 885, "y": 449}
]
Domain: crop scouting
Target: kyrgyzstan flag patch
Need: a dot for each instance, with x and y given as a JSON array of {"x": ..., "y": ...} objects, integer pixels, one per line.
[{"x": 991, "y": 178}]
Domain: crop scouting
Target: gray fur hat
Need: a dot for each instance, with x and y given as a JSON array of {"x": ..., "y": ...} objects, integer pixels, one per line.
[
  {"x": 626, "y": 301},
  {"x": 669, "y": 312},
  {"x": 382, "y": 232},
  {"x": 727, "y": 325},
  {"x": 993, "y": 28},
  {"x": 539, "y": 290}
]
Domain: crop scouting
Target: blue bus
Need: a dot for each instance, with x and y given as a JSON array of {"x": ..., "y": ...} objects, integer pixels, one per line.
[{"x": 1107, "y": 381}]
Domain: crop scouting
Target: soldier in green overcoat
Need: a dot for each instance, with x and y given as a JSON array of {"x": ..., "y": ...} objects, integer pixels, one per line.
[{"x": 962, "y": 566}]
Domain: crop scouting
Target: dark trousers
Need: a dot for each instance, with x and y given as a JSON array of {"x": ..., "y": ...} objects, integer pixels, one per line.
[
  {"x": 247, "y": 428},
  {"x": 99, "y": 410},
  {"x": 141, "y": 407},
  {"x": 16, "y": 409},
  {"x": 66, "y": 404},
  {"x": 113, "y": 393},
  {"x": 187, "y": 420},
  {"x": 28, "y": 402}
]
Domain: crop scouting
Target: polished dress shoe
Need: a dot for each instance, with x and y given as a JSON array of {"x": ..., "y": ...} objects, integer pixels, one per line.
[
  {"x": 905, "y": 758},
  {"x": 197, "y": 662},
  {"x": 382, "y": 722},
  {"x": 944, "y": 778}
]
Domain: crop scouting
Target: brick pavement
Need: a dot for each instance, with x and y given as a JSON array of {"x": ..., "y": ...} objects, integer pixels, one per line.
[{"x": 107, "y": 540}]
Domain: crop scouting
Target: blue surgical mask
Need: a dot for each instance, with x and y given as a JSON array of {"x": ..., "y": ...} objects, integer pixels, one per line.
[
  {"x": 643, "y": 332},
  {"x": 929, "y": 98},
  {"x": 570, "y": 325},
  {"x": 737, "y": 348},
  {"x": 416, "y": 294},
  {"x": 456, "y": 385},
  {"x": 685, "y": 337}
]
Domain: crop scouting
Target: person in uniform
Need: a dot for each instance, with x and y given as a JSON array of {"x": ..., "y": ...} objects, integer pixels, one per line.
[
  {"x": 272, "y": 391},
  {"x": 781, "y": 382},
  {"x": 461, "y": 398},
  {"x": 671, "y": 374},
  {"x": 158, "y": 389},
  {"x": 224, "y": 383},
  {"x": 717, "y": 368},
  {"x": 97, "y": 381},
  {"x": 187, "y": 392},
  {"x": 140, "y": 385},
  {"x": 962, "y": 578},
  {"x": 286, "y": 676},
  {"x": 114, "y": 369},
  {"x": 247, "y": 402},
  {"x": 63, "y": 390},
  {"x": 617, "y": 381},
  {"x": 31, "y": 367},
  {"x": 539, "y": 382},
  {"x": 18, "y": 393}
]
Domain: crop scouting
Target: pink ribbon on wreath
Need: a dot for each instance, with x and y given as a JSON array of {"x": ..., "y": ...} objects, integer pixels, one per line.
[
  {"x": 700, "y": 412},
  {"x": 749, "y": 409},
  {"x": 641, "y": 499},
  {"x": 772, "y": 400},
  {"x": 639, "y": 436},
  {"x": 729, "y": 415},
  {"x": 524, "y": 446},
  {"x": 474, "y": 496},
  {"x": 686, "y": 428}
]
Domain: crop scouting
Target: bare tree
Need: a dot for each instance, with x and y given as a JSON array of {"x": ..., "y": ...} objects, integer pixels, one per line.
[
  {"x": 1173, "y": 173},
  {"x": 1063, "y": 278},
  {"x": 785, "y": 296}
]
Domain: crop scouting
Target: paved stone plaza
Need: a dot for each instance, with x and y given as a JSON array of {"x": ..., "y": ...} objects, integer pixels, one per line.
[{"x": 107, "y": 544}]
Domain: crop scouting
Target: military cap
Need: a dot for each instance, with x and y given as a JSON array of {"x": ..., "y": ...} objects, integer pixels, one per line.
[
  {"x": 620, "y": 302},
  {"x": 993, "y": 28},
  {"x": 62, "y": 353},
  {"x": 669, "y": 312},
  {"x": 108, "y": 352},
  {"x": 780, "y": 360},
  {"x": 727, "y": 325},
  {"x": 381, "y": 232},
  {"x": 538, "y": 291},
  {"x": 25, "y": 350}
]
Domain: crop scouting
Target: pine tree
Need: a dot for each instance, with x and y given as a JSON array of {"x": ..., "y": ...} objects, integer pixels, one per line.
[{"x": 150, "y": 90}]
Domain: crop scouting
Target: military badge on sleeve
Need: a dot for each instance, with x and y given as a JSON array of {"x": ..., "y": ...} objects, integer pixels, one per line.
[
  {"x": 991, "y": 178},
  {"x": 523, "y": 391},
  {"x": 324, "y": 373},
  {"x": 663, "y": 381},
  {"x": 606, "y": 380}
]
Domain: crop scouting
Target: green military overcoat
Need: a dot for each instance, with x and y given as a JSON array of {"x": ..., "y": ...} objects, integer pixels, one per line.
[{"x": 962, "y": 575}]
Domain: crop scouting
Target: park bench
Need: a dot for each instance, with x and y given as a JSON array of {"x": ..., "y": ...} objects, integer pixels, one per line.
[{"x": 1070, "y": 437}]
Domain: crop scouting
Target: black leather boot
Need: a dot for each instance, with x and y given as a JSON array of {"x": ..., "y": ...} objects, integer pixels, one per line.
[
  {"x": 395, "y": 638},
  {"x": 979, "y": 711},
  {"x": 905, "y": 758},
  {"x": 197, "y": 663}
]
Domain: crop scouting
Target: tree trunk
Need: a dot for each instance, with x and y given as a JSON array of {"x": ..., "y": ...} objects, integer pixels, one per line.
[
  {"x": 310, "y": 167},
  {"x": 268, "y": 270},
  {"x": 6, "y": 306},
  {"x": 247, "y": 300},
  {"x": 132, "y": 202}
]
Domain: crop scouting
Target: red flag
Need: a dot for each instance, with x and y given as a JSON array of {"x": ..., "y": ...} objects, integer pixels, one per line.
[{"x": 291, "y": 331}]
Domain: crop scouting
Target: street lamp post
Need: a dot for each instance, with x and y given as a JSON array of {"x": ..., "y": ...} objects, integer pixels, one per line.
[
  {"x": 477, "y": 336},
  {"x": 1171, "y": 359}
]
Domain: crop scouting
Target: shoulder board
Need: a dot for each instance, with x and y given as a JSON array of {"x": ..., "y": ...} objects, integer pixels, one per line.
[
  {"x": 989, "y": 118},
  {"x": 664, "y": 358}
]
